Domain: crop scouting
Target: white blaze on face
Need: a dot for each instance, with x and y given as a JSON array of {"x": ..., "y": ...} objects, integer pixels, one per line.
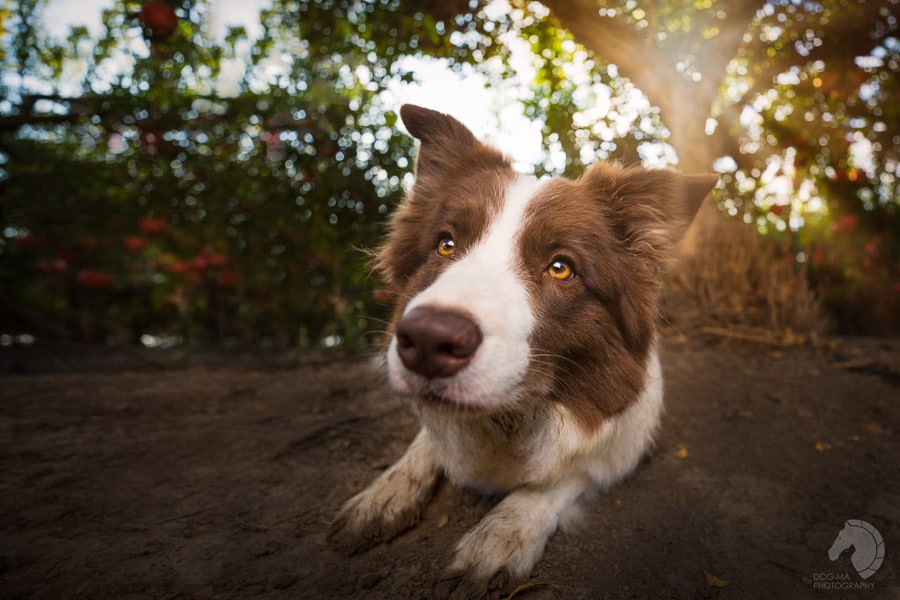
[{"x": 483, "y": 284}]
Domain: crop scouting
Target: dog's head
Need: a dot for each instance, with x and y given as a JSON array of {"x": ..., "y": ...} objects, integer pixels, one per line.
[{"x": 511, "y": 288}]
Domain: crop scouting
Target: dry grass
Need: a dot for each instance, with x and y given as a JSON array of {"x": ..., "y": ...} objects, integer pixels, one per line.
[{"x": 729, "y": 280}]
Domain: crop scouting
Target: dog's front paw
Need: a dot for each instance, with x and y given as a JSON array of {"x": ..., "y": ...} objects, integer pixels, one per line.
[
  {"x": 391, "y": 505},
  {"x": 499, "y": 550},
  {"x": 509, "y": 540},
  {"x": 370, "y": 518}
]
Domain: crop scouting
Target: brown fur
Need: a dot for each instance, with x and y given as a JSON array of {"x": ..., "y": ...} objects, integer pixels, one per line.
[
  {"x": 616, "y": 226},
  {"x": 459, "y": 186}
]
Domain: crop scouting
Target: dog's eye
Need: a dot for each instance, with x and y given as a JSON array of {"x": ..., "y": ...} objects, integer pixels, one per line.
[
  {"x": 446, "y": 246},
  {"x": 560, "y": 269}
]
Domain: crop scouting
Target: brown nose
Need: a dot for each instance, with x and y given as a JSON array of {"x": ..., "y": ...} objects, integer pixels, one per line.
[{"x": 436, "y": 342}]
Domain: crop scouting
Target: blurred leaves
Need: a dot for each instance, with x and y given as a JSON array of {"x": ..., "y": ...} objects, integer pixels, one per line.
[
  {"x": 164, "y": 180},
  {"x": 799, "y": 100},
  {"x": 166, "y": 196}
]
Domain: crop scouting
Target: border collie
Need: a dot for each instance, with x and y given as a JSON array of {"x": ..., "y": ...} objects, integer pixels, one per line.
[{"x": 525, "y": 337}]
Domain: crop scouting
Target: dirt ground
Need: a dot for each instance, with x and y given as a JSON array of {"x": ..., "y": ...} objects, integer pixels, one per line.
[{"x": 191, "y": 478}]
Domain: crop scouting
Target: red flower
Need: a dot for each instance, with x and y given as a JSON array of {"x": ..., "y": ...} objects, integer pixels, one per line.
[
  {"x": 89, "y": 241},
  {"x": 159, "y": 18},
  {"x": 153, "y": 226},
  {"x": 228, "y": 279},
  {"x": 30, "y": 241},
  {"x": 93, "y": 278},
  {"x": 179, "y": 267},
  {"x": 845, "y": 223},
  {"x": 52, "y": 266},
  {"x": 214, "y": 259},
  {"x": 199, "y": 263},
  {"x": 383, "y": 296},
  {"x": 136, "y": 243}
]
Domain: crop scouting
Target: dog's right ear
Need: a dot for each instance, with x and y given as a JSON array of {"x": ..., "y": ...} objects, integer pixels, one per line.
[{"x": 444, "y": 139}]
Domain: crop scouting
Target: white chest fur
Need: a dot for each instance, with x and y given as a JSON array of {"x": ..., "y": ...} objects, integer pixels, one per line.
[{"x": 539, "y": 442}]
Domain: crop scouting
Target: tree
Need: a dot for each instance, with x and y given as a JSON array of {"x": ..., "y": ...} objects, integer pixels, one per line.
[
  {"x": 211, "y": 189},
  {"x": 792, "y": 101},
  {"x": 168, "y": 198}
]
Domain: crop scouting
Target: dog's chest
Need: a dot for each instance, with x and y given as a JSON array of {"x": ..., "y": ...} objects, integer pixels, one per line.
[{"x": 502, "y": 452}]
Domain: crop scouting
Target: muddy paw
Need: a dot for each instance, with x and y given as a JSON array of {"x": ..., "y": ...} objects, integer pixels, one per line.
[
  {"x": 365, "y": 522},
  {"x": 349, "y": 537}
]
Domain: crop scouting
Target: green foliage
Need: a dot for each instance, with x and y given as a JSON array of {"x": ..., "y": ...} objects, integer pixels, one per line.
[
  {"x": 587, "y": 112},
  {"x": 164, "y": 198},
  {"x": 819, "y": 169},
  {"x": 226, "y": 189}
]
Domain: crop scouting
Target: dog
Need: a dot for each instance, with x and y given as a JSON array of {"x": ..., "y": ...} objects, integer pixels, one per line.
[{"x": 525, "y": 335}]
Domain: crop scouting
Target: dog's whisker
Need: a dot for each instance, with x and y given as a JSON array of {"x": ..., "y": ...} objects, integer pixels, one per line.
[{"x": 557, "y": 357}]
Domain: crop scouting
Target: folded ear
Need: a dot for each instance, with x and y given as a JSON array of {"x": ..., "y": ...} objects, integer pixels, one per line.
[
  {"x": 445, "y": 140},
  {"x": 652, "y": 208}
]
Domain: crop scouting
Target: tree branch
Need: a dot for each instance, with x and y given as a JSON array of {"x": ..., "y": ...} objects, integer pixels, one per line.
[
  {"x": 612, "y": 39},
  {"x": 652, "y": 64}
]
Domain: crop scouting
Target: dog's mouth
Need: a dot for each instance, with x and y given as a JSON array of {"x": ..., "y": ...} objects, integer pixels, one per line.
[
  {"x": 435, "y": 398},
  {"x": 442, "y": 402},
  {"x": 435, "y": 395}
]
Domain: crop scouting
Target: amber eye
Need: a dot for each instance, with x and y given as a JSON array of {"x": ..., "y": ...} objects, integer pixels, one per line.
[
  {"x": 446, "y": 246},
  {"x": 560, "y": 269}
]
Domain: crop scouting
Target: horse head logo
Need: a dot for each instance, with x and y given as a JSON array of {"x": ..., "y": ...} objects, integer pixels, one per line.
[{"x": 868, "y": 546}]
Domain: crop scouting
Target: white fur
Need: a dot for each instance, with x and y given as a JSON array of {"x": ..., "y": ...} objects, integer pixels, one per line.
[
  {"x": 477, "y": 452},
  {"x": 474, "y": 283},
  {"x": 554, "y": 467}
]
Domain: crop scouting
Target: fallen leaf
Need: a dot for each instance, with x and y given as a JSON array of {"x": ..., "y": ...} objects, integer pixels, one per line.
[
  {"x": 745, "y": 414},
  {"x": 873, "y": 428},
  {"x": 681, "y": 451},
  {"x": 822, "y": 446},
  {"x": 442, "y": 521},
  {"x": 715, "y": 581}
]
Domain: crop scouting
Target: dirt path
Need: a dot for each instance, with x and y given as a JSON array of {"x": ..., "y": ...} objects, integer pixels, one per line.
[{"x": 218, "y": 481}]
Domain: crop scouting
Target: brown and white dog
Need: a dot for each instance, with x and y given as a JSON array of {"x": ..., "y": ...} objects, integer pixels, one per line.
[{"x": 525, "y": 335}]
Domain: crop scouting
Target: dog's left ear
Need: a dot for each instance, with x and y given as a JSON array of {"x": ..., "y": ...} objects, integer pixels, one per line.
[
  {"x": 433, "y": 127},
  {"x": 652, "y": 208},
  {"x": 442, "y": 137},
  {"x": 445, "y": 143}
]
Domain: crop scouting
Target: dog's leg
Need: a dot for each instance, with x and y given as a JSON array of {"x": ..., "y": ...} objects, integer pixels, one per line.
[
  {"x": 503, "y": 548},
  {"x": 392, "y": 503}
]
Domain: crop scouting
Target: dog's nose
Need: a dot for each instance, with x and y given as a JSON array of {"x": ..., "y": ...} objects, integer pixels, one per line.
[{"x": 436, "y": 342}]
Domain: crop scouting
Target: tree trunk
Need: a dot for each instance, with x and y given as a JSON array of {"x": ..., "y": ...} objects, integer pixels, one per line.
[{"x": 685, "y": 100}]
